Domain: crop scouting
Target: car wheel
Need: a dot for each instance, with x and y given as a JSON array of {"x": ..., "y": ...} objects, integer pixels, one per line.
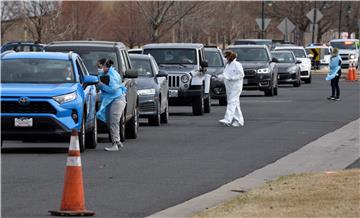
[
  {"x": 222, "y": 101},
  {"x": 297, "y": 83},
  {"x": 198, "y": 105},
  {"x": 207, "y": 105},
  {"x": 155, "y": 120},
  {"x": 132, "y": 126},
  {"x": 122, "y": 128},
  {"x": 276, "y": 90},
  {"x": 92, "y": 136},
  {"x": 308, "y": 81},
  {"x": 269, "y": 91},
  {"x": 82, "y": 135},
  {"x": 165, "y": 115}
]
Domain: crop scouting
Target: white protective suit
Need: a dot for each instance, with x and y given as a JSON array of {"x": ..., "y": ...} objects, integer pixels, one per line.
[{"x": 233, "y": 78}]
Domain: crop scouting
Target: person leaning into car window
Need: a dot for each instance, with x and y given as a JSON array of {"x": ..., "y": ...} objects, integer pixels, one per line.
[{"x": 112, "y": 101}]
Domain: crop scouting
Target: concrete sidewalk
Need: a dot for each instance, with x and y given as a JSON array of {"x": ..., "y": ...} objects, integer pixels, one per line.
[{"x": 334, "y": 151}]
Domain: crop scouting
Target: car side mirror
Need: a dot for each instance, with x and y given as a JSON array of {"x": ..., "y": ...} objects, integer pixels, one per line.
[
  {"x": 131, "y": 74},
  {"x": 90, "y": 80},
  {"x": 162, "y": 74},
  {"x": 275, "y": 60},
  {"x": 204, "y": 64},
  {"x": 298, "y": 62}
]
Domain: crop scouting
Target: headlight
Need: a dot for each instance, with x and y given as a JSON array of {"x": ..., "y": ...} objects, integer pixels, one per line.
[
  {"x": 65, "y": 98},
  {"x": 264, "y": 70},
  {"x": 303, "y": 66},
  {"x": 185, "y": 78},
  {"x": 352, "y": 56},
  {"x": 146, "y": 92}
]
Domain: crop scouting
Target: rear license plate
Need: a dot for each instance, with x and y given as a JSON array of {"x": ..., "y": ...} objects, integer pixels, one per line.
[
  {"x": 173, "y": 93},
  {"x": 245, "y": 81},
  {"x": 23, "y": 122}
]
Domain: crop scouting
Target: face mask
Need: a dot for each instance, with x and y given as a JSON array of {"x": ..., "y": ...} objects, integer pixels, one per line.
[{"x": 100, "y": 70}]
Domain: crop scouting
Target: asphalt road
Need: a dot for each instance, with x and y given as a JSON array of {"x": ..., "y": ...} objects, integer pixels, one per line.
[{"x": 175, "y": 162}]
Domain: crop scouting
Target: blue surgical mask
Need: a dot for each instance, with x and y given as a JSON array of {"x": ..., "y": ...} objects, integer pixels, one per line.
[{"x": 100, "y": 70}]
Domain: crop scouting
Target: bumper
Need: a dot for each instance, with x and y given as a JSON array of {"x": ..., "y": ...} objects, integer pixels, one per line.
[
  {"x": 260, "y": 82},
  {"x": 287, "y": 78},
  {"x": 148, "y": 106}
]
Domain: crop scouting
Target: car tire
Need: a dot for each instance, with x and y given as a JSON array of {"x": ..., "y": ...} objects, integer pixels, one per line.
[
  {"x": 82, "y": 135},
  {"x": 132, "y": 126},
  {"x": 155, "y": 120},
  {"x": 165, "y": 115},
  {"x": 269, "y": 91},
  {"x": 207, "y": 105},
  {"x": 222, "y": 101},
  {"x": 276, "y": 90},
  {"x": 308, "y": 80},
  {"x": 198, "y": 105},
  {"x": 297, "y": 83},
  {"x": 92, "y": 136}
]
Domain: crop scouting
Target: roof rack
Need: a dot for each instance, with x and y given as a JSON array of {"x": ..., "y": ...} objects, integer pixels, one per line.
[{"x": 85, "y": 42}]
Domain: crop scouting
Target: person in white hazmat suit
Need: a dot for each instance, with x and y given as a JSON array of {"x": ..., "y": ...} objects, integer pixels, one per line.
[{"x": 233, "y": 78}]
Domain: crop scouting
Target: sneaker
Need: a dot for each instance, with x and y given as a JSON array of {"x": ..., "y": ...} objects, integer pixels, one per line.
[
  {"x": 235, "y": 124},
  {"x": 113, "y": 147},
  {"x": 331, "y": 98},
  {"x": 224, "y": 122},
  {"x": 337, "y": 99},
  {"x": 119, "y": 144}
]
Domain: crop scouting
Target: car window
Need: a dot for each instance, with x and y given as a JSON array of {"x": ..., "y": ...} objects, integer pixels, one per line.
[
  {"x": 36, "y": 71},
  {"x": 299, "y": 53},
  {"x": 251, "y": 54},
  {"x": 143, "y": 67},
  {"x": 283, "y": 57},
  {"x": 173, "y": 56},
  {"x": 214, "y": 59},
  {"x": 350, "y": 45}
]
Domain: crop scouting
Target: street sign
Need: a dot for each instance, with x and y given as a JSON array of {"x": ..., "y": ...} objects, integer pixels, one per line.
[
  {"x": 259, "y": 23},
  {"x": 310, "y": 15},
  {"x": 286, "y": 26}
]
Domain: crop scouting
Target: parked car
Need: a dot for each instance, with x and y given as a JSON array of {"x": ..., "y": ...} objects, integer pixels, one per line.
[
  {"x": 301, "y": 55},
  {"x": 259, "y": 68},
  {"x": 288, "y": 68},
  {"x": 91, "y": 52},
  {"x": 349, "y": 50},
  {"x": 153, "y": 89},
  {"x": 22, "y": 46},
  {"x": 215, "y": 67},
  {"x": 47, "y": 94},
  {"x": 135, "y": 51},
  {"x": 185, "y": 63}
]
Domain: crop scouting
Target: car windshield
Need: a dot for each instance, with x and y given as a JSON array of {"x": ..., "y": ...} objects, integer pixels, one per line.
[
  {"x": 299, "y": 53},
  {"x": 143, "y": 67},
  {"x": 251, "y": 54},
  {"x": 173, "y": 56},
  {"x": 36, "y": 71},
  {"x": 283, "y": 57},
  {"x": 349, "y": 45},
  {"x": 214, "y": 59}
]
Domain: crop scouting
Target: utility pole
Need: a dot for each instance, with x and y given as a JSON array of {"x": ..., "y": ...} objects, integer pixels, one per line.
[
  {"x": 340, "y": 11},
  {"x": 262, "y": 19},
  {"x": 314, "y": 24}
]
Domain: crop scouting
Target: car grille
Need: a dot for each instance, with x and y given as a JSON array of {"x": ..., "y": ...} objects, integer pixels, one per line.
[
  {"x": 250, "y": 73},
  {"x": 174, "y": 81},
  {"x": 344, "y": 57},
  {"x": 32, "y": 107},
  {"x": 304, "y": 73},
  {"x": 147, "y": 107}
]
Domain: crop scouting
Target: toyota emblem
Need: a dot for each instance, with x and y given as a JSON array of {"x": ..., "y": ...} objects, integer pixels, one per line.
[{"x": 24, "y": 101}]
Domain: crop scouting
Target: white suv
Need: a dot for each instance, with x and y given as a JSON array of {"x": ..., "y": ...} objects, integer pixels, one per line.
[
  {"x": 349, "y": 50},
  {"x": 300, "y": 54}
]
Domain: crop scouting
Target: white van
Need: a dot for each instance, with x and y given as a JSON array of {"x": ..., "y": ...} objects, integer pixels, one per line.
[{"x": 349, "y": 50}]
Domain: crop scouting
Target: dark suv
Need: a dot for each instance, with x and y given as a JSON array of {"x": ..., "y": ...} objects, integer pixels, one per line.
[
  {"x": 90, "y": 52},
  {"x": 185, "y": 64},
  {"x": 259, "y": 68}
]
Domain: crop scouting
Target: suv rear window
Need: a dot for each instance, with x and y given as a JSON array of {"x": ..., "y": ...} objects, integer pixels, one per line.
[
  {"x": 173, "y": 56},
  {"x": 36, "y": 71},
  {"x": 299, "y": 53},
  {"x": 251, "y": 54}
]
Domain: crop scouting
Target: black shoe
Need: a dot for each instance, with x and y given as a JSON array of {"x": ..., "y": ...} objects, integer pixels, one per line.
[{"x": 331, "y": 98}]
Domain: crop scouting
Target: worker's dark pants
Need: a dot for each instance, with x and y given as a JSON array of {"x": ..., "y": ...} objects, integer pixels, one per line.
[{"x": 335, "y": 89}]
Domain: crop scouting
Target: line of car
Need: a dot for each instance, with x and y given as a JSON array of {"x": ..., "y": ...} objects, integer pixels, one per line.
[{"x": 55, "y": 91}]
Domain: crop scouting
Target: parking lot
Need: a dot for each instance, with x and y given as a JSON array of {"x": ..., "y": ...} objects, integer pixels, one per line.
[{"x": 170, "y": 164}]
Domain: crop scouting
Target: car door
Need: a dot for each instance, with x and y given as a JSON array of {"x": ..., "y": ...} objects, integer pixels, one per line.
[
  {"x": 88, "y": 93},
  {"x": 162, "y": 83},
  {"x": 131, "y": 88}
]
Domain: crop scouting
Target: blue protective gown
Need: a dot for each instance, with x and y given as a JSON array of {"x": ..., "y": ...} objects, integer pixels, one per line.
[
  {"x": 110, "y": 92},
  {"x": 334, "y": 67}
]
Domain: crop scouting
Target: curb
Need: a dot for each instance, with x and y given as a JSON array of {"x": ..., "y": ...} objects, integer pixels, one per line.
[{"x": 333, "y": 151}]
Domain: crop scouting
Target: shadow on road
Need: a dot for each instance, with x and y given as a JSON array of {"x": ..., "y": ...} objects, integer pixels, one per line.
[{"x": 34, "y": 150}]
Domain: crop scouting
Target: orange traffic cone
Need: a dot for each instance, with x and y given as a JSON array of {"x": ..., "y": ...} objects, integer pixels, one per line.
[
  {"x": 355, "y": 76},
  {"x": 73, "y": 203},
  {"x": 350, "y": 74}
]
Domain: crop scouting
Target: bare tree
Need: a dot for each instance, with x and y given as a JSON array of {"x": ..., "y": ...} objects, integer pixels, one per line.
[
  {"x": 10, "y": 11},
  {"x": 161, "y": 16}
]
